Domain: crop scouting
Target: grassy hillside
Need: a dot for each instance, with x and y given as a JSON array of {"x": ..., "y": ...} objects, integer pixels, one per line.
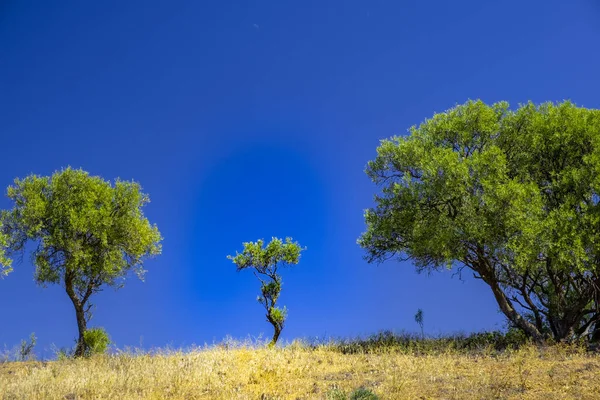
[{"x": 311, "y": 372}]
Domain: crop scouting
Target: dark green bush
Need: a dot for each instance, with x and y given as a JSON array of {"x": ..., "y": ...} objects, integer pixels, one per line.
[
  {"x": 363, "y": 394},
  {"x": 358, "y": 394}
]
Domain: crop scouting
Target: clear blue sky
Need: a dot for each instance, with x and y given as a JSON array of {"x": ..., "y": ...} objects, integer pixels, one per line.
[{"x": 252, "y": 119}]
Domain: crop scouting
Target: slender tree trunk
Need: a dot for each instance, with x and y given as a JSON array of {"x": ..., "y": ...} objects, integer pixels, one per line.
[
  {"x": 79, "y": 314},
  {"x": 82, "y": 327}
]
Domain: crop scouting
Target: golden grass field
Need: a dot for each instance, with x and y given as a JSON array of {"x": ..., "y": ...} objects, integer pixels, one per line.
[{"x": 298, "y": 372}]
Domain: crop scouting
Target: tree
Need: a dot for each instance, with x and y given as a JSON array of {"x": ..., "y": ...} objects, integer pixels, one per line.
[
  {"x": 511, "y": 195},
  {"x": 88, "y": 234},
  {"x": 419, "y": 321},
  {"x": 26, "y": 348},
  {"x": 265, "y": 261}
]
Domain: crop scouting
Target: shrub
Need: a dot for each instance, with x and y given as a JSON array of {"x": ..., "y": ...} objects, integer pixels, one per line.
[
  {"x": 336, "y": 394},
  {"x": 358, "y": 394},
  {"x": 96, "y": 341},
  {"x": 363, "y": 394},
  {"x": 26, "y": 348},
  {"x": 479, "y": 342}
]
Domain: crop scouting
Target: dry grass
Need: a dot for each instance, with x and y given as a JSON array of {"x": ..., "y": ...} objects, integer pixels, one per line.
[{"x": 297, "y": 372}]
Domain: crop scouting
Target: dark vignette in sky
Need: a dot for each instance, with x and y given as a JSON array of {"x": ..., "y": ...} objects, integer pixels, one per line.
[{"x": 247, "y": 120}]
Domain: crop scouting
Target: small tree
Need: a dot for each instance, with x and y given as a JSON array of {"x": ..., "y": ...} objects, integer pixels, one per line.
[
  {"x": 26, "y": 348},
  {"x": 89, "y": 233},
  {"x": 419, "y": 321},
  {"x": 265, "y": 261}
]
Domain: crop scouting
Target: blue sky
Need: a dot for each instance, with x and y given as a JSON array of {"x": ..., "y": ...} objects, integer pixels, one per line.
[{"x": 251, "y": 119}]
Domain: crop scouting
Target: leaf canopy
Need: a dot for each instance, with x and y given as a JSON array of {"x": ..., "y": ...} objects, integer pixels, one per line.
[
  {"x": 83, "y": 226},
  {"x": 521, "y": 186},
  {"x": 267, "y": 258},
  {"x": 5, "y": 262},
  {"x": 512, "y": 195}
]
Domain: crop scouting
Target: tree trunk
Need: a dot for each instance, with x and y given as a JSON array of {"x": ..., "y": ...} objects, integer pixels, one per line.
[
  {"x": 595, "y": 334},
  {"x": 276, "y": 330},
  {"x": 79, "y": 314},
  {"x": 82, "y": 327},
  {"x": 276, "y": 334},
  {"x": 509, "y": 311}
]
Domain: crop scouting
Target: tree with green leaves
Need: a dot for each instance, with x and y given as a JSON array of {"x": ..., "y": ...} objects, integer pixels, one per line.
[
  {"x": 88, "y": 234},
  {"x": 419, "y": 321},
  {"x": 265, "y": 261},
  {"x": 512, "y": 195}
]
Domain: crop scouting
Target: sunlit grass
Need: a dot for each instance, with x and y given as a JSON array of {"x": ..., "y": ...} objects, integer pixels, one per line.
[{"x": 297, "y": 371}]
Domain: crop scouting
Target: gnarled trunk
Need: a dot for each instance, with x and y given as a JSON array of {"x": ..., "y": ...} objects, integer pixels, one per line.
[
  {"x": 509, "y": 311},
  {"x": 277, "y": 328},
  {"x": 487, "y": 274}
]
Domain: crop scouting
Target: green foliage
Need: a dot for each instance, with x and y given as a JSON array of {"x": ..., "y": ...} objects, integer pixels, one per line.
[
  {"x": 96, "y": 340},
  {"x": 83, "y": 225},
  {"x": 336, "y": 394},
  {"x": 63, "y": 354},
  {"x": 26, "y": 348},
  {"x": 514, "y": 336},
  {"x": 270, "y": 290},
  {"x": 419, "y": 320},
  {"x": 5, "y": 262},
  {"x": 279, "y": 314},
  {"x": 88, "y": 233},
  {"x": 363, "y": 394},
  {"x": 474, "y": 343},
  {"x": 265, "y": 260},
  {"x": 357, "y": 394},
  {"x": 512, "y": 195}
]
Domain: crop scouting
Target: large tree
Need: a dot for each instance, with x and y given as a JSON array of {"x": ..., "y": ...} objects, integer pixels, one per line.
[
  {"x": 512, "y": 195},
  {"x": 88, "y": 233},
  {"x": 265, "y": 261}
]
